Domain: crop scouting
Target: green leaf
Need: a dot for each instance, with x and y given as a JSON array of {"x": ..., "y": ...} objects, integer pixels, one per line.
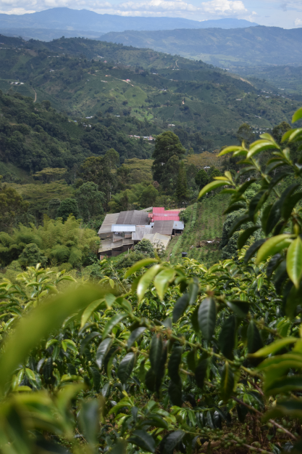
[
  {"x": 234, "y": 207},
  {"x": 227, "y": 337},
  {"x": 253, "y": 249},
  {"x": 119, "y": 448},
  {"x": 272, "y": 246},
  {"x": 294, "y": 261},
  {"x": 191, "y": 360},
  {"x": 87, "y": 340},
  {"x": 102, "y": 351},
  {"x": 180, "y": 306},
  {"x": 156, "y": 421},
  {"x": 290, "y": 204},
  {"x": 288, "y": 408},
  {"x": 238, "y": 221},
  {"x": 41, "y": 321},
  {"x": 227, "y": 382},
  {"x": 162, "y": 281},
  {"x": 146, "y": 280},
  {"x": 240, "y": 308},
  {"x": 155, "y": 354},
  {"x": 89, "y": 311},
  {"x": 273, "y": 217},
  {"x": 274, "y": 347},
  {"x": 175, "y": 392},
  {"x": 257, "y": 202},
  {"x": 126, "y": 366},
  {"x": 230, "y": 149},
  {"x": 254, "y": 341},
  {"x": 207, "y": 318},
  {"x": 143, "y": 440},
  {"x": 193, "y": 289},
  {"x": 135, "y": 335},
  {"x": 112, "y": 322},
  {"x": 297, "y": 115},
  {"x": 89, "y": 420},
  {"x": 171, "y": 441},
  {"x": 213, "y": 185},
  {"x": 174, "y": 363},
  {"x": 241, "y": 190},
  {"x": 265, "y": 215},
  {"x": 139, "y": 265},
  {"x": 201, "y": 371},
  {"x": 245, "y": 235},
  {"x": 284, "y": 385},
  {"x": 261, "y": 145}
]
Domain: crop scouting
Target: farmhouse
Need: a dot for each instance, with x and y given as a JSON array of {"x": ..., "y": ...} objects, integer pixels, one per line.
[{"x": 121, "y": 231}]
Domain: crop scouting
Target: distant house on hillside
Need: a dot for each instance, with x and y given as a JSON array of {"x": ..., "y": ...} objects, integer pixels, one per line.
[{"x": 121, "y": 231}]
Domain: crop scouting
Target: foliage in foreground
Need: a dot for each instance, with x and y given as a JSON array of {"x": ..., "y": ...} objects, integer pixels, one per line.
[{"x": 167, "y": 359}]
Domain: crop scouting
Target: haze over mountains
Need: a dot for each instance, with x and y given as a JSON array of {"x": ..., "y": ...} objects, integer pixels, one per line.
[
  {"x": 251, "y": 46},
  {"x": 53, "y": 23}
]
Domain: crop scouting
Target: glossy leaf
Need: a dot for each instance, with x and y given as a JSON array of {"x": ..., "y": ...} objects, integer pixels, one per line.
[
  {"x": 284, "y": 385},
  {"x": 207, "y": 318},
  {"x": 253, "y": 249},
  {"x": 125, "y": 367},
  {"x": 180, "y": 307},
  {"x": 102, "y": 350},
  {"x": 201, "y": 372},
  {"x": 212, "y": 186},
  {"x": 297, "y": 115},
  {"x": 146, "y": 280},
  {"x": 135, "y": 335},
  {"x": 240, "y": 308},
  {"x": 171, "y": 441},
  {"x": 139, "y": 265},
  {"x": 143, "y": 440},
  {"x": 274, "y": 347},
  {"x": 227, "y": 382},
  {"x": 162, "y": 281},
  {"x": 273, "y": 246},
  {"x": 294, "y": 261},
  {"x": 245, "y": 235},
  {"x": 156, "y": 351},
  {"x": 254, "y": 341},
  {"x": 227, "y": 337},
  {"x": 89, "y": 420},
  {"x": 174, "y": 363},
  {"x": 111, "y": 323}
]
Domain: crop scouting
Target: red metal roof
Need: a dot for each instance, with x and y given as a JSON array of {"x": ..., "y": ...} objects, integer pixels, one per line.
[{"x": 159, "y": 214}]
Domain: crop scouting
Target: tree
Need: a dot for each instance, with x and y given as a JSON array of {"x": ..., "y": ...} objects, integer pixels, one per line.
[
  {"x": 181, "y": 185},
  {"x": 245, "y": 134},
  {"x": 53, "y": 207},
  {"x": 145, "y": 247},
  {"x": 148, "y": 196},
  {"x": 67, "y": 207},
  {"x": 13, "y": 208},
  {"x": 168, "y": 184},
  {"x": 167, "y": 145},
  {"x": 214, "y": 172},
  {"x": 90, "y": 201},
  {"x": 202, "y": 178},
  {"x": 99, "y": 171}
]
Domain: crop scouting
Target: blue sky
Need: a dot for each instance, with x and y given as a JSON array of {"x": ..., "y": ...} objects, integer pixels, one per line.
[{"x": 280, "y": 13}]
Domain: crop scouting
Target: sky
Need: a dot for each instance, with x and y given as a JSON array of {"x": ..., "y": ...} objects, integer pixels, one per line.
[{"x": 279, "y": 13}]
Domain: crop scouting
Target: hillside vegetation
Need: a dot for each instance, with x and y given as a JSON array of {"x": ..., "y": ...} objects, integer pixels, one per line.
[
  {"x": 225, "y": 48},
  {"x": 156, "y": 89}
]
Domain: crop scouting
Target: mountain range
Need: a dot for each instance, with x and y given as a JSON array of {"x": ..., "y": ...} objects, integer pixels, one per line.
[
  {"x": 252, "y": 46},
  {"x": 85, "y": 23}
]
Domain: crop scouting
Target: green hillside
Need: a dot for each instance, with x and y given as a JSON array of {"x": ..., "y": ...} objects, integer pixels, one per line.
[
  {"x": 225, "y": 48},
  {"x": 150, "y": 89},
  {"x": 202, "y": 234}
]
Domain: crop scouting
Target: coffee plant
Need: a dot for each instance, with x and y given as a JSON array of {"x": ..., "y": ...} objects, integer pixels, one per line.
[{"x": 168, "y": 359}]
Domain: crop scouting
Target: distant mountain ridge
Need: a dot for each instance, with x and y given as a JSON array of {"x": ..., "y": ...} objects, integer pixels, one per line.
[
  {"x": 84, "y": 22},
  {"x": 231, "y": 48}
]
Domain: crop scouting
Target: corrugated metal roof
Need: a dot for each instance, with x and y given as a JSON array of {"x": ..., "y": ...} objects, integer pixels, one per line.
[
  {"x": 133, "y": 217},
  {"x": 163, "y": 227},
  {"x": 164, "y": 217},
  {"x": 122, "y": 228},
  {"x": 140, "y": 231},
  {"x": 107, "y": 223},
  {"x": 157, "y": 239},
  {"x": 178, "y": 225}
]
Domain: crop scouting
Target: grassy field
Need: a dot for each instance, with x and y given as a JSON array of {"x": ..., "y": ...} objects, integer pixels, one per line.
[{"x": 205, "y": 224}]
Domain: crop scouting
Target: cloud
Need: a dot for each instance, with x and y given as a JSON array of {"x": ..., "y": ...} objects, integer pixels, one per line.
[
  {"x": 225, "y": 7},
  {"x": 298, "y": 22},
  {"x": 158, "y": 6}
]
